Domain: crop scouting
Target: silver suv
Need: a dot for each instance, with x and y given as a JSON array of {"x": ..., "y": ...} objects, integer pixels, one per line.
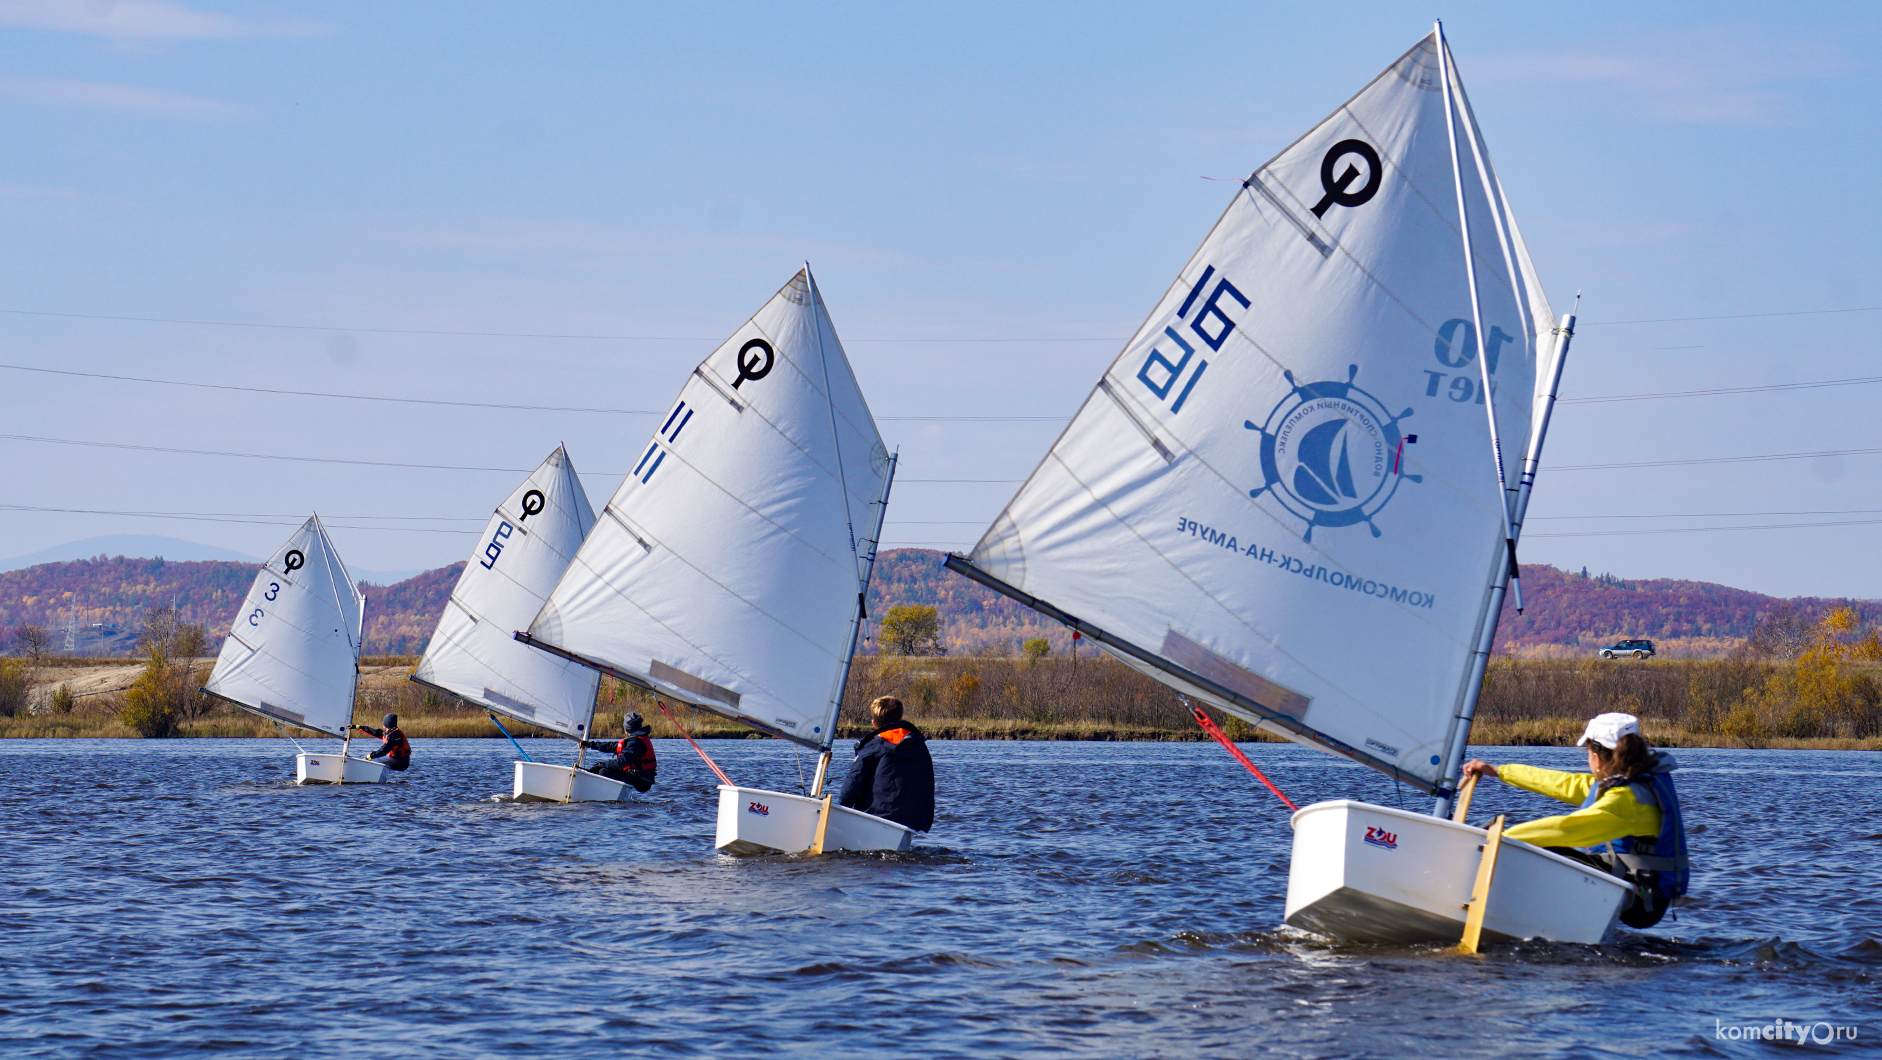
[{"x": 1639, "y": 649}]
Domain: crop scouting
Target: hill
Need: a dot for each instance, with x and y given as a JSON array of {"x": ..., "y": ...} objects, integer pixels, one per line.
[
  {"x": 1565, "y": 614},
  {"x": 105, "y": 599},
  {"x": 1571, "y": 613}
]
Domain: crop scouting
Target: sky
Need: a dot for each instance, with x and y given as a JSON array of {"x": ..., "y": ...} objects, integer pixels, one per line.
[{"x": 568, "y": 205}]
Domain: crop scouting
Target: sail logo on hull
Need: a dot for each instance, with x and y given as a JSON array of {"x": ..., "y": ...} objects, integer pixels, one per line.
[
  {"x": 1330, "y": 454},
  {"x": 1379, "y": 837},
  {"x": 758, "y": 808}
]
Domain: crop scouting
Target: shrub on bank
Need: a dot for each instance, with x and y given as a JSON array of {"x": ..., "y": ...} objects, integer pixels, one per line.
[{"x": 15, "y": 682}]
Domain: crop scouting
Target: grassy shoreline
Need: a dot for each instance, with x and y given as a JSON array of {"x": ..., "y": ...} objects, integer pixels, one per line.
[
  {"x": 1727, "y": 704},
  {"x": 1550, "y": 732}
]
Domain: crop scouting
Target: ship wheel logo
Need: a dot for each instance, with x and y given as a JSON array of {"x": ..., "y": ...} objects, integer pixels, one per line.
[{"x": 1331, "y": 454}]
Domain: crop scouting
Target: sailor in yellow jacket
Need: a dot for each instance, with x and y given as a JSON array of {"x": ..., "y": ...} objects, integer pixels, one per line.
[{"x": 1625, "y": 804}]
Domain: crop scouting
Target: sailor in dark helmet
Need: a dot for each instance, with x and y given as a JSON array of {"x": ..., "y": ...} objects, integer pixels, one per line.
[
  {"x": 633, "y": 761},
  {"x": 1627, "y": 816},
  {"x": 393, "y": 746}
]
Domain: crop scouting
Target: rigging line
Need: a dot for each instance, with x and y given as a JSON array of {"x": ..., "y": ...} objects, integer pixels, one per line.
[
  {"x": 1712, "y": 529},
  {"x": 714, "y": 766},
  {"x": 472, "y": 334},
  {"x": 1719, "y": 460},
  {"x": 457, "y": 404},
  {"x": 1856, "y": 381}
]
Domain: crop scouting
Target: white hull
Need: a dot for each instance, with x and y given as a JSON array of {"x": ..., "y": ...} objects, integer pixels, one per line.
[
  {"x": 543, "y": 782},
  {"x": 327, "y": 769},
  {"x": 1375, "y": 874},
  {"x": 756, "y": 821}
]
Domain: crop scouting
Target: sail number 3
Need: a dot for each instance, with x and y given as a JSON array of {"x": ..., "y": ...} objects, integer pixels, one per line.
[{"x": 1159, "y": 373}]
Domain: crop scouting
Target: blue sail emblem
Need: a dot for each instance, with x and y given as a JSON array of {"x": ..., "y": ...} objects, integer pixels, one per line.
[
  {"x": 1316, "y": 479},
  {"x": 1331, "y": 454}
]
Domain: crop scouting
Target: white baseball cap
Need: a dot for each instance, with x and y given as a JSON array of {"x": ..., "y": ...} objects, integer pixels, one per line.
[{"x": 1607, "y": 729}]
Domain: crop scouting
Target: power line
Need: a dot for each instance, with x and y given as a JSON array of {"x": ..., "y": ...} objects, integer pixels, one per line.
[
  {"x": 262, "y": 521},
  {"x": 325, "y": 394},
  {"x": 1735, "y": 316},
  {"x": 272, "y": 326},
  {"x": 1717, "y": 460},
  {"x": 1707, "y": 529},
  {"x": 512, "y": 407},
  {"x": 1722, "y": 390},
  {"x": 1711, "y": 515},
  {"x": 265, "y": 456},
  {"x": 358, "y": 463},
  {"x": 441, "y": 401},
  {"x": 473, "y": 334}
]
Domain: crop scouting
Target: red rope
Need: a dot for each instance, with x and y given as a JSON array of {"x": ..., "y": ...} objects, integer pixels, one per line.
[
  {"x": 714, "y": 766},
  {"x": 1210, "y": 727}
]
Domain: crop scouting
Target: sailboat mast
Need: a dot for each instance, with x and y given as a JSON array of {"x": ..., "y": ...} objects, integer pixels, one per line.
[
  {"x": 1480, "y": 659},
  {"x": 856, "y": 627},
  {"x": 1476, "y": 306}
]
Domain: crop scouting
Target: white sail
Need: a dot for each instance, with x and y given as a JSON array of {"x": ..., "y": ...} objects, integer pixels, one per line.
[
  {"x": 522, "y": 554},
  {"x": 728, "y": 570},
  {"x": 1282, "y": 497},
  {"x": 293, "y": 653}
]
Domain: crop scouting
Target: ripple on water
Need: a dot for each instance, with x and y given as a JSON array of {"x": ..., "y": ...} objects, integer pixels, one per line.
[{"x": 195, "y": 900}]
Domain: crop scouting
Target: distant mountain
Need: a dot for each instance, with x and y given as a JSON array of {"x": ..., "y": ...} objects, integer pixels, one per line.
[
  {"x": 400, "y": 617},
  {"x": 1567, "y": 613},
  {"x": 151, "y": 545},
  {"x": 174, "y": 549}
]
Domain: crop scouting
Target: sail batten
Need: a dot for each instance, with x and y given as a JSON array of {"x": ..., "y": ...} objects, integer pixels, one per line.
[
  {"x": 727, "y": 572},
  {"x": 1285, "y": 485}
]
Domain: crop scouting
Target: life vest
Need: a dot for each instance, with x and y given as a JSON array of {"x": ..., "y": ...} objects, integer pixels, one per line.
[
  {"x": 397, "y": 746},
  {"x": 894, "y": 736},
  {"x": 645, "y": 763},
  {"x": 1658, "y": 862}
]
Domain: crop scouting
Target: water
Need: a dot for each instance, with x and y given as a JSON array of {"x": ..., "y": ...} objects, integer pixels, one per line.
[{"x": 172, "y": 897}]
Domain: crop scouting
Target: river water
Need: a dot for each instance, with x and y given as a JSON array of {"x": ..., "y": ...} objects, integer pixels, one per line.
[{"x": 165, "y": 898}]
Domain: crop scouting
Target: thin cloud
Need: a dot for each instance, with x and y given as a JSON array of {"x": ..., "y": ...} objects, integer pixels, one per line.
[
  {"x": 1700, "y": 78},
  {"x": 136, "y": 20},
  {"x": 130, "y": 99}
]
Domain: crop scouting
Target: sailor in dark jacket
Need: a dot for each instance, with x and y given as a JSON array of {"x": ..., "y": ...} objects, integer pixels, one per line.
[
  {"x": 393, "y": 746},
  {"x": 892, "y": 776},
  {"x": 633, "y": 761}
]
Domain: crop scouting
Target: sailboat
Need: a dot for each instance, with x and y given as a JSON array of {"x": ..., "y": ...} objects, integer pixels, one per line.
[
  {"x": 730, "y": 570},
  {"x": 292, "y": 655},
  {"x": 473, "y": 655},
  {"x": 1287, "y": 497}
]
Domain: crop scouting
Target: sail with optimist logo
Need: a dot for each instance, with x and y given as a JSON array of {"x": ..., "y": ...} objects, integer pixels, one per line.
[
  {"x": 524, "y": 550},
  {"x": 729, "y": 569},
  {"x": 293, "y": 654},
  {"x": 1283, "y": 498}
]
